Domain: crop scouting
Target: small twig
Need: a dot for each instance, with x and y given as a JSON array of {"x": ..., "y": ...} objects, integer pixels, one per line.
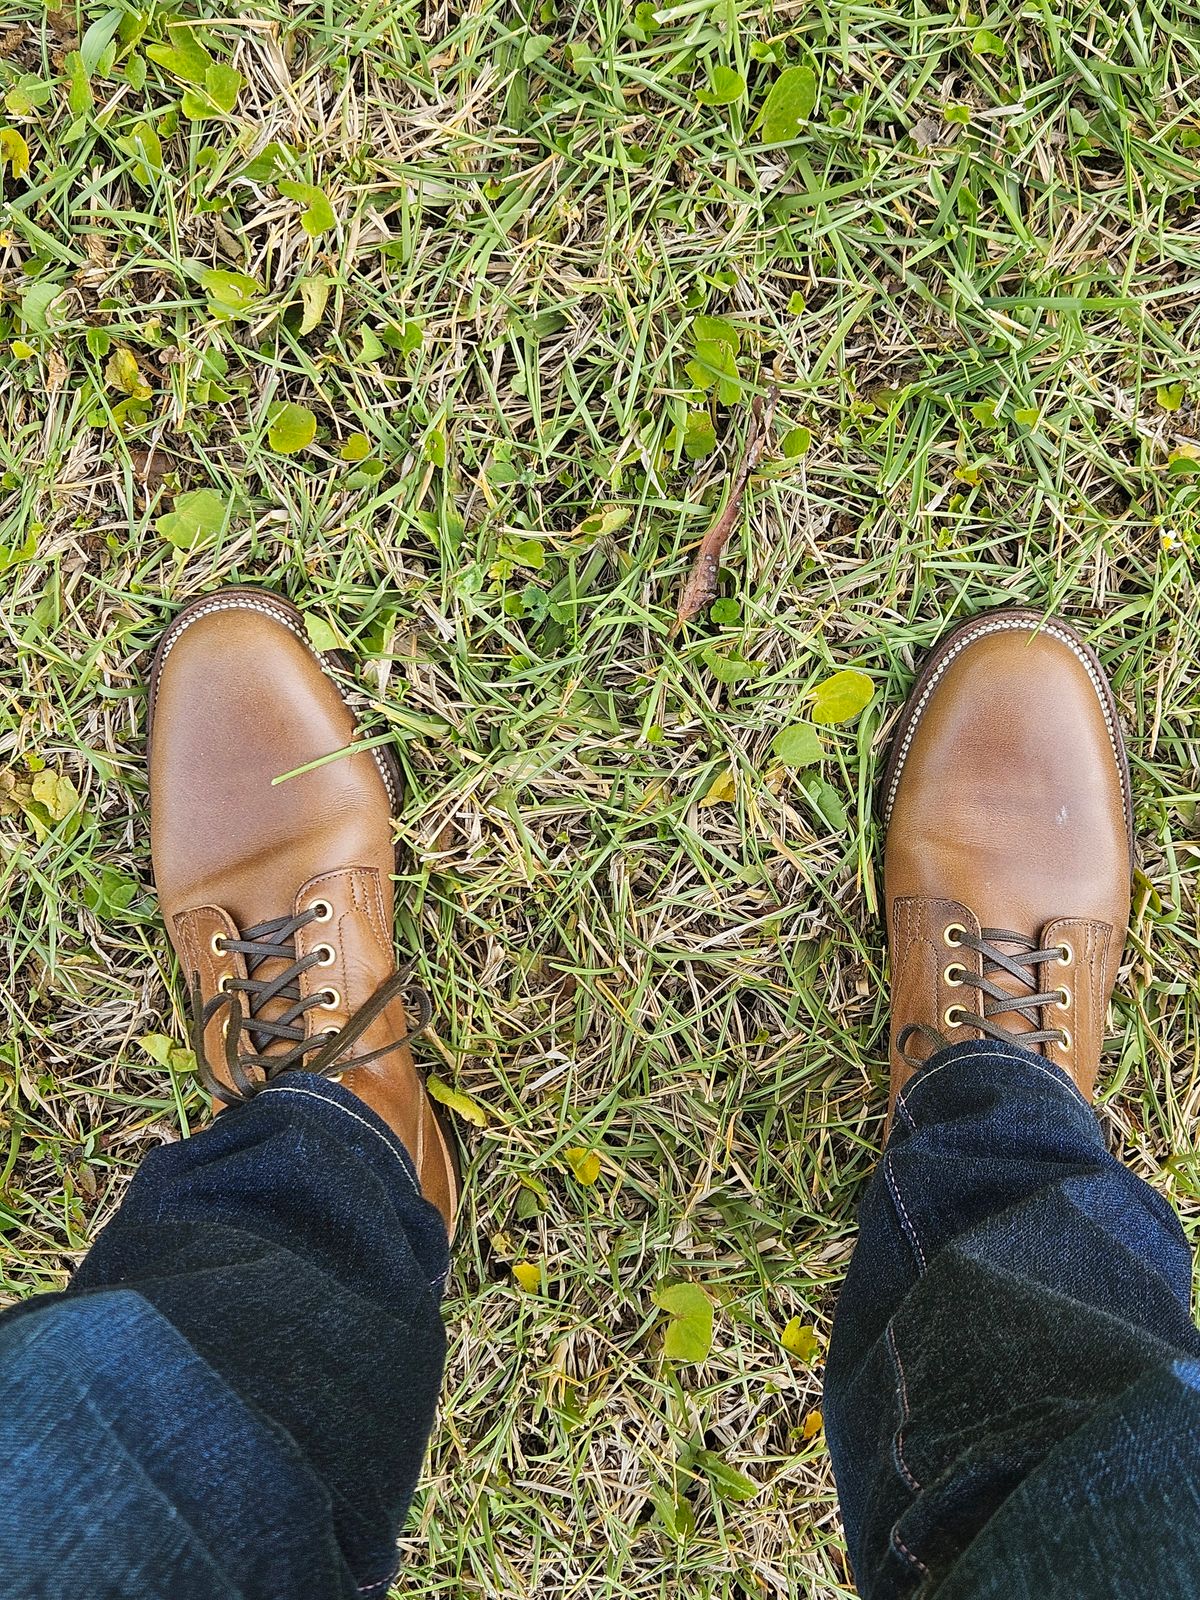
[{"x": 701, "y": 583}]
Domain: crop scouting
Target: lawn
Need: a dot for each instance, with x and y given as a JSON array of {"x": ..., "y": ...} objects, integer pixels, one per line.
[{"x": 452, "y": 322}]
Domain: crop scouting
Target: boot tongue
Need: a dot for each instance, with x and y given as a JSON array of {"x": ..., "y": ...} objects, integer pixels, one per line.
[
  {"x": 1017, "y": 1022},
  {"x": 265, "y": 970}
]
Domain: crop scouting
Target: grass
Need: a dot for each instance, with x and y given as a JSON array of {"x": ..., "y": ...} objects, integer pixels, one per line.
[{"x": 973, "y": 276}]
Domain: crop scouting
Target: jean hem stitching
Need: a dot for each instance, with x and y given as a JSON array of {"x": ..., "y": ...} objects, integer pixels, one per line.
[
  {"x": 1064, "y": 1082},
  {"x": 437, "y": 1283},
  {"x": 902, "y": 1401},
  {"x": 905, "y": 1220},
  {"x": 328, "y": 1100},
  {"x": 899, "y": 1545},
  {"x": 378, "y": 1587}
]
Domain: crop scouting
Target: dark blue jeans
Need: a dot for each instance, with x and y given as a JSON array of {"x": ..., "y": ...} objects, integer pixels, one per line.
[
  {"x": 1012, "y": 1398},
  {"x": 233, "y": 1397}
]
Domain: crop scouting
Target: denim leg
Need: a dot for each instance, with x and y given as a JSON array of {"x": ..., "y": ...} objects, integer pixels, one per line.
[
  {"x": 1017, "y": 1305},
  {"x": 125, "y": 1464},
  {"x": 244, "y": 1370}
]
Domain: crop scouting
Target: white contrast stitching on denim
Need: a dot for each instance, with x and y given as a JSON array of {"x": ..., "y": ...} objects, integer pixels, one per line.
[
  {"x": 327, "y": 1100},
  {"x": 1001, "y": 625},
  {"x": 981, "y": 1055},
  {"x": 276, "y": 615},
  {"x": 902, "y": 1395},
  {"x": 898, "y": 1454},
  {"x": 374, "y": 1588},
  {"x": 900, "y": 1545},
  {"x": 889, "y": 1338},
  {"x": 894, "y": 1191}
]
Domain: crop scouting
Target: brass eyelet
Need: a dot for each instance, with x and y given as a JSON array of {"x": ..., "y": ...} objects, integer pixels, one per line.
[
  {"x": 952, "y": 1016},
  {"x": 224, "y": 1030},
  {"x": 1065, "y": 954},
  {"x": 335, "y": 1077},
  {"x": 225, "y": 982},
  {"x": 321, "y": 910},
  {"x": 331, "y": 1000},
  {"x": 953, "y": 983},
  {"x": 327, "y": 958},
  {"x": 217, "y": 944},
  {"x": 952, "y": 927},
  {"x": 1065, "y": 1043},
  {"x": 1064, "y": 1000}
]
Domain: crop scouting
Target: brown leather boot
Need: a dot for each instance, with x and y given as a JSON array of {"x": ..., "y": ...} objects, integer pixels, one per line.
[
  {"x": 278, "y": 896},
  {"x": 1009, "y": 846}
]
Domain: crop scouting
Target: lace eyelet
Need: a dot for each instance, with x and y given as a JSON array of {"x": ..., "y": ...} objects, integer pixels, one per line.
[
  {"x": 952, "y": 1016},
  {"x": 1064, "y": 1000},
  {"x": 953, "y": 983},
  {"x": 322, "y": 911},
  {"x": 217, "y": 944},
  {"x": 1065, "y": 954},
  {"x": 331, "y": 1000},
  {"x": 225, "y": 982},
  {"x": 335, "y": 1077},
  {"x": 326, "y": 955},
  {"x": 952, "y": 927},
  {"x": 1065, "y": 1042}
]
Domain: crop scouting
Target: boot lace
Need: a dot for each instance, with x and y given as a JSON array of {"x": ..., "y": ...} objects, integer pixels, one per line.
[
  {"x": 1024, "y": 964},
  {"x": 244, "y": 999}
]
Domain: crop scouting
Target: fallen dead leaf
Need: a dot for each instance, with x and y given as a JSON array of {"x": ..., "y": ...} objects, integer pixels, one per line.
[
  {"x": 152, "y": 466},
  {"x": 701, "y": 583}
]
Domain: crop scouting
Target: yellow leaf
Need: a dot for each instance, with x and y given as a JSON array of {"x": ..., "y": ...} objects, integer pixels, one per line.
[
  {"x": 585, "y": 1164},
  {"x": 122, "y": 372},
  {"x": 21, "y": 350},
  {"x": 602, "y": 522},
  {"x": 15, "y": 151},
  {"x": 842, "y": 697},
  {"x": 454, "y": 1100},
  {"x": 56, "y": 792},
  {"x": 157, "y": 1046},
  {"x": 800, "y": 1341},
  {"x": 812, "y": 1425},
  {"x": 529, "y": 1275},
  {"x": 356, "y": 448},
  {"x": 689, "y": 1335},
  {"x": 14, "y": 792},
  {"x": 721, "y": 790}
]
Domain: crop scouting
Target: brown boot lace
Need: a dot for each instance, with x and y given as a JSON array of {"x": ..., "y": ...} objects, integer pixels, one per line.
[
  {"x": 276, "y": 941},
  {"x": 1024, "y": 965}
]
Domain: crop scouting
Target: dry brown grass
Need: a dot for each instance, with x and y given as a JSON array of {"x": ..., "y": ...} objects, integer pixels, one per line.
[{"x": 697, "y": 993}]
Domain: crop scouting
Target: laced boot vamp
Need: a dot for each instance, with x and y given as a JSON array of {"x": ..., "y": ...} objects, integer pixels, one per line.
[
  {"x": 1009, "y": 847},
  {"x": 273, "y": 865}
]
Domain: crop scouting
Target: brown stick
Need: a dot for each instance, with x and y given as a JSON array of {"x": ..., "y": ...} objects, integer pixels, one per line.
[{"x": 701, "y": 583}]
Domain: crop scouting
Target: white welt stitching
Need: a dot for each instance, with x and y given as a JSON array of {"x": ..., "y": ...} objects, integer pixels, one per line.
[
  {"x": 239, "y": 604},
  {"x": 1000, "y": 625},
  {"x": 228, "y": 604}
]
